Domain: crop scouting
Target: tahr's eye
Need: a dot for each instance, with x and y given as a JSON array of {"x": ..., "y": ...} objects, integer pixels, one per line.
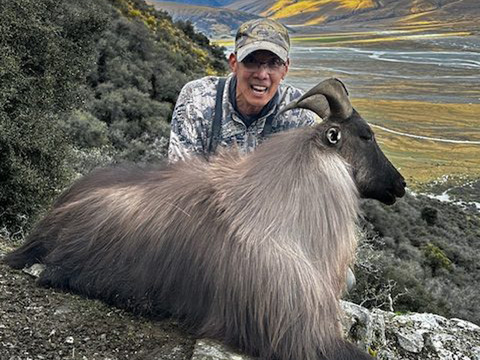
[{"x": 334, "y": 135}]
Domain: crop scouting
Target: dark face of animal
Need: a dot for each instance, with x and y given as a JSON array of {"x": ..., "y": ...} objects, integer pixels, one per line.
[
  {"x": 374, "y": 174},
  {"x": 345, "y": 131}
]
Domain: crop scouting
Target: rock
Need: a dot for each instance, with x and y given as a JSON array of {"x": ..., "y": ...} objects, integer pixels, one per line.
[
  {"x": 61, "y": 310},
  {"x": 366, "y": 328},
  {"x": 35, "y": 270},
  {"x": 467, "y": 326},
  {"x": 388, "y": 336},
  {"x": 411, "y": 336},
  {"x": 410, "y": 340},
  {"x": 165, "y": 352},
  {"x": 206, "y": 349}
]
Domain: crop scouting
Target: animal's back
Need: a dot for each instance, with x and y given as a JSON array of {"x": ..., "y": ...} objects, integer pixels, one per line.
[{"x": 119, "y": 234}]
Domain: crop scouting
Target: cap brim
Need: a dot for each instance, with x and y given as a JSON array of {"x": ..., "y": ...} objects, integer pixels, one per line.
[{"x": 262, "y": 45}]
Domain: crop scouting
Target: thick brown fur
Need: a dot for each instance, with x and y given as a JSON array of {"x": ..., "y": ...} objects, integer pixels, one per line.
[{"x": 250, "y": 250}]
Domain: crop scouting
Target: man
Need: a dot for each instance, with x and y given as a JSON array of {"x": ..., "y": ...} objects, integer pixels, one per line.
[{"x": 247, "y": 105}]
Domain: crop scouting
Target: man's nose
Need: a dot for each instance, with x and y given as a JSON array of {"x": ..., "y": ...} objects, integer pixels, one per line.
[{"x": 262, "y": 70}]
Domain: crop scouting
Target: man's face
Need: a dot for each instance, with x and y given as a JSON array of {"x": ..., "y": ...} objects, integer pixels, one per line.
[{"x": 258, "y": 78}]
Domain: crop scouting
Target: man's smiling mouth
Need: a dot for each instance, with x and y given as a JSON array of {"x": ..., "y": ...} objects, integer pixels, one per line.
[{"x": 257, "y": 89}]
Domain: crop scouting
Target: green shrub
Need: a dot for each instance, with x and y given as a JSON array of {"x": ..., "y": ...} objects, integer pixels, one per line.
[
  {"x": 436, "y": 258},
  {"x": 430, "y": 267},
  {"x": 85, "y": 131},
  {"x": 46, "y": 48},
  {"x": 143, "y": 62},
  {"x": 71, "y": 99},
  {"x": 430, "y": 215}
]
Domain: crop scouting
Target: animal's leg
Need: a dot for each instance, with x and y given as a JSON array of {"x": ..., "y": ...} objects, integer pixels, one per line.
[{"x": 30, "y": 253}]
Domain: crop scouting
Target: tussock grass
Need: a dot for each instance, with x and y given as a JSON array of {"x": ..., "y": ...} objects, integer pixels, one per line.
[{"x": 422, "y": 161}]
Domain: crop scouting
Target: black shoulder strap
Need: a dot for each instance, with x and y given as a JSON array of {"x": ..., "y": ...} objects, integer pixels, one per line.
[
  {"x": 267, "y": 128},
  {"x": 217, "y": 119}
]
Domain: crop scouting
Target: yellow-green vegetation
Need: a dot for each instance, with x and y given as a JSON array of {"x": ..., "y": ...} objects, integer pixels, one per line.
[
  {"x": 328, "y": 38},
  {"x": 421, "y": 6},
  {"x": 288, "y": 8},
  {"x": 178, "y": 40},
  {"x": 422, "y": 161},
  {"x": 279, "y": 5},
  {"x": 356, "y": 4},
  {"x": 375, "y": 37},
  {"x": 133, "y": 11},
  {"x": 436, "y": 258},
  {"x": 399, "y": 33},
  {"x": 372, "y": 352},
  {"x": 281, "y": 10},
  {"x": 412, "y": 19},
  {"x": 315, "y": 21}
]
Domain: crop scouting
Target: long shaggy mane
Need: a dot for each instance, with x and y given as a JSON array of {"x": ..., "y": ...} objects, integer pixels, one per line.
[{"x": 250, "y": 250}]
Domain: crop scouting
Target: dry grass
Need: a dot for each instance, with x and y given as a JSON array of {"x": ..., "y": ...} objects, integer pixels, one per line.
[
  {"x": 401, "y": 33},
  {"x": 422, "y": 161},
  {"x": 369, "y": 37},
  {"x": 316, "y": 20},
  {"x": 288, "y": 8}
]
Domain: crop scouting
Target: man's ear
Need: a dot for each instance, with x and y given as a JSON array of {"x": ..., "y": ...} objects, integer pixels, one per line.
[
  {"x": 287, "y": 64},
  {"x": 232, "y": 61}
]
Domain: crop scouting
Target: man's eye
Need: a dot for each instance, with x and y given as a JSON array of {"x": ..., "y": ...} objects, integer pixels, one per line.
[
  {"x": 250, "y": 64},
  {"x": 275, "y": 63}
]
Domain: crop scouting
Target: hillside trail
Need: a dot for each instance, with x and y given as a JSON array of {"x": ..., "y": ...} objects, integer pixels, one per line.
[{"x": 453, "y": 141}]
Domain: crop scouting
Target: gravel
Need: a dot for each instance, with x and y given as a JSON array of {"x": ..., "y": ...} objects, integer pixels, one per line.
[{"x": 40, "y": 323}]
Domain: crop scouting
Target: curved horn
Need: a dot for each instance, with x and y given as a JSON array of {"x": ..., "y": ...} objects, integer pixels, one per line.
[
  {"x": 328, "y": 97},
  {"x": 318, "y": 103}
]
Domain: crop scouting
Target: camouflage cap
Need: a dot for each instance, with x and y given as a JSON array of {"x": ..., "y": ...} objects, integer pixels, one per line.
[{"x": 262, "y": 34}]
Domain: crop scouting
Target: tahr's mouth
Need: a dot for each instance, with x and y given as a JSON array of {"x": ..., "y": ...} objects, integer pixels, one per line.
[{"x": 389, "y": 198}]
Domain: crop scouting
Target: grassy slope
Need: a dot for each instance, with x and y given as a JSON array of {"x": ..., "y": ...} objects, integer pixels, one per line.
[{"x": 423, "y": 161}]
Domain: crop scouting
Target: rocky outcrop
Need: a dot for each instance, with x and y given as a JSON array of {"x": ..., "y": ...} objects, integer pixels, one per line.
[
  {"x": 411, "y": 336},
  {"x": 388, "y": 336}
]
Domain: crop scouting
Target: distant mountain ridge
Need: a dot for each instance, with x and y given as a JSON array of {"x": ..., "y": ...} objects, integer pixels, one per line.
[
  {"x": 308, "y": 12},
  {"x": 212, "y": 3},
  {"x": 212, "y": 21},
  {"x": 322, "y": 12}
]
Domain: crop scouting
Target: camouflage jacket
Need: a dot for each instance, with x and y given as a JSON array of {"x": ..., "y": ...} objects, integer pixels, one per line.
[{"x": 194, "y": 112}]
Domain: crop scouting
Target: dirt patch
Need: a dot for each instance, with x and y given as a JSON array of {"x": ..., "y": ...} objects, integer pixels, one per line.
[{"x": 39, "y": 323}]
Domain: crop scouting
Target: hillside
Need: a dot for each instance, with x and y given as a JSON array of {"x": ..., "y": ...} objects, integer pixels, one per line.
[
  {"x": 212, "y": 21},
  {"x": 306, "y": 12},
  {"x": 211, "y": 3},
  {"x": 94, "y": 85},
  {"x": 332, "y": 13}
]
